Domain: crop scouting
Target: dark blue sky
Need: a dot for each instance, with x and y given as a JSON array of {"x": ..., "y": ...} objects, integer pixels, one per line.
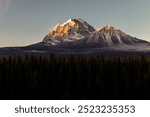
[{"x": 24, "y": 22}]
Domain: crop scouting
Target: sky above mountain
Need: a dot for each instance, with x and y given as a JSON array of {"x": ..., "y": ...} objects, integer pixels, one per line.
[{"x": 23, "y": 22}]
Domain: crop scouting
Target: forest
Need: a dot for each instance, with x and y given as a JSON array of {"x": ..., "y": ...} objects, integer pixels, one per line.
[{"x": 74, "y": 77}]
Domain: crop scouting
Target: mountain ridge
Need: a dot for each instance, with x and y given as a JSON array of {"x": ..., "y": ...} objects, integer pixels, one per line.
[{"x": 77, "y": 29}]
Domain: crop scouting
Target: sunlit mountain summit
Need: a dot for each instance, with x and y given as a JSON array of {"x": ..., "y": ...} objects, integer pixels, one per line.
[{"x": 72, "y": 30}]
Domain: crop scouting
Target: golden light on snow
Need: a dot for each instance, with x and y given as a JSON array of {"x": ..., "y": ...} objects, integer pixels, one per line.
[
  {"x": 109, "y": 27},
  {"x": 63, "y": 29}
]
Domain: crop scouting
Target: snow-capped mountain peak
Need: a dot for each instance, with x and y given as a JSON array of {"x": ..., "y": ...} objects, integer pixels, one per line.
[
  {"x": 73, "y": 29},
  {"x": 108, "y": 27},
  {"x": 111, "y": 36},
  {"x": 72, "y": 21}
]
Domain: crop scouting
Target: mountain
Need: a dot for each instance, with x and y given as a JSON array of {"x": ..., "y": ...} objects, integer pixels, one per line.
[
  {"x": 72, "y": 30},
  {"x": 78, "y": 33},
  {"x": 110, "y": 36},
  {"x": 77, "y": 36}
]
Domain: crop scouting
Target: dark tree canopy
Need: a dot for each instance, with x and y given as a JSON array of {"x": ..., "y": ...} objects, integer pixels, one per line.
[{"x": 74, "y": 77}]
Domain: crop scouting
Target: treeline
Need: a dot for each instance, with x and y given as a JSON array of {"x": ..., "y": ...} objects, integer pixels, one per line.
[{"x": 74, "y": 77}]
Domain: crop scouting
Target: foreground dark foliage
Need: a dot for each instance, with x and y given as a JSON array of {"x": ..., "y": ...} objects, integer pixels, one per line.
[{"x": 74, "y": 77}]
